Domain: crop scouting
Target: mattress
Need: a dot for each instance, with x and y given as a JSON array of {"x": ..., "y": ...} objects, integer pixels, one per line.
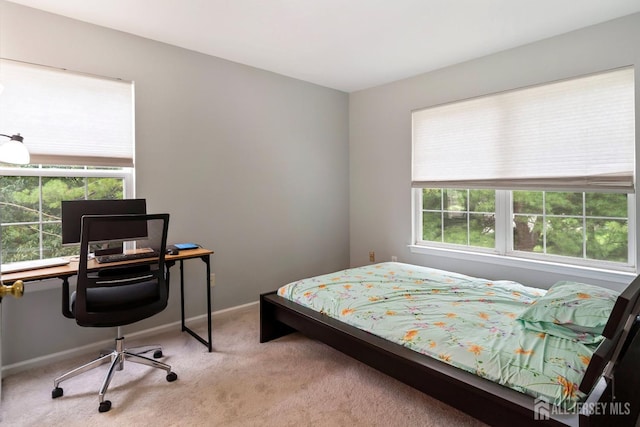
[{"x": 467, "y": 322}]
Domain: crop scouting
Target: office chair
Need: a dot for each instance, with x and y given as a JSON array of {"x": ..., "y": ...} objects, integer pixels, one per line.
[{"x": 117, "y": 294}]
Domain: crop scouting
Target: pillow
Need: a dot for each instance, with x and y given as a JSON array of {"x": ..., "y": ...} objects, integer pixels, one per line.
[{"x": 571, "y": 310}]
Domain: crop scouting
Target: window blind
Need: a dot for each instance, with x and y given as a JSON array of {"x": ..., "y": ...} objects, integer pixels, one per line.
[
  {"x": 571, "y": 135},
  {"x": 68, "y": 118}
]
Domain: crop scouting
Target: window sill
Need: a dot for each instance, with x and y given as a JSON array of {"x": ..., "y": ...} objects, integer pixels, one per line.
[{"x": 579, "y": 272}]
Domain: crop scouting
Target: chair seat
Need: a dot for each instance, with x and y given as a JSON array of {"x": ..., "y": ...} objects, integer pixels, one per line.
[{"x": 124, "y": 297}]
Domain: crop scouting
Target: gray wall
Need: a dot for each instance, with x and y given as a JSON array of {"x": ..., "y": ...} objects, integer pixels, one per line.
[
  {"x": 251, "y": 164},
  {"x": 380, "y": 137}
]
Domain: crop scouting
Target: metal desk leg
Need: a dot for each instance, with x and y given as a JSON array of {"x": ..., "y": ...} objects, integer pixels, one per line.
[
  {"x": 206, "y": 261},
  {"x": 208, "y": 343},
  {"x": 184, "y": 327}
]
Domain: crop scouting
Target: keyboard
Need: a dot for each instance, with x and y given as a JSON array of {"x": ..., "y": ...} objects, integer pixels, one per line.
[
  {"x": 35, "y": 264},
  {"x": 103, "y": 259}
]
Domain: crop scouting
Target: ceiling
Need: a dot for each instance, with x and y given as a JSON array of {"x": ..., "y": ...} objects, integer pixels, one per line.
[{"x": 343, "y": 44}]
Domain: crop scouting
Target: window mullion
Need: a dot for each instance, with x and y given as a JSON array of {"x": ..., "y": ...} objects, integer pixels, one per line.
[
  {"x": 442, "y": 216},
  {"x": 631, "y": 230},
  {"x": 544, "y": 222},
  {"x": 40, "y": 218},
  {"x": 504, "y": 238},
  {"x": 416, "y": 194},
  {"x": 584, "y": 225},
  {"x": 468, "y": 215}
]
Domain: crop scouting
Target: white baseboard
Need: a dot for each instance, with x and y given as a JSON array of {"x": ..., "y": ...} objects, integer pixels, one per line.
[{"x": 97, "y": 346}]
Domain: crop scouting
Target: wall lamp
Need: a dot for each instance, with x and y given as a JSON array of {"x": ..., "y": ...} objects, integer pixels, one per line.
[{"x": 14, "y": 151}]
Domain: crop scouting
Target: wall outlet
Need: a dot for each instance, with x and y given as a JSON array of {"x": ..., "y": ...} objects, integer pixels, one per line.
[
  {"x": 394, "y": 258},
  {"x": 372, "y": 256},
  {"x": 212, "y": 279}
]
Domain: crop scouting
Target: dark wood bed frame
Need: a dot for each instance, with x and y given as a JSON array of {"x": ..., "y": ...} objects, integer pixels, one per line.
[{"x": 612, "y": 379}]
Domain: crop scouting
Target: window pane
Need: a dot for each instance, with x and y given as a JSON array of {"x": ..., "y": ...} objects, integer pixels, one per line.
[
  {"x": 431, "y": 199},
  {"x": 56, "y": 189},
  {"x": 432, "y": 226},
  {"x": 527, "y": 233},
  {"x": 529, "y": 202},
  {"x": 608, "y": 205},
  {"x": 482, "y": 201},
  {"x": 607, "y": 240},
  {"x": 20, "y": 199},
  {"x": 20, "y": 243},
  {"x": 565, "y": 237},
  {"x": 455, "y": 217},
  {"x": 482, "y": 224},
  {"x": 52, "y": 242},
  {"x": 482, "y": 230},
  {"x": 455, "y": 228},
  {"x": 563, "y": 203},
  {"x": 105, "y": 188},
  {"x": 455, "y": 200}
]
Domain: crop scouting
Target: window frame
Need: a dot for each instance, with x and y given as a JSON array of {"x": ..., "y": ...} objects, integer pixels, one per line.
[{"x": 504, "y": 254}]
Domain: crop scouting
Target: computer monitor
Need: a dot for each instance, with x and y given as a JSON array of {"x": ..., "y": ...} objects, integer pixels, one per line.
[{"x": 74, "y": 210}]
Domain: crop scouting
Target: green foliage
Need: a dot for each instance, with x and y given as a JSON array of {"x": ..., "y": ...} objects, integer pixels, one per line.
[
  {"x": 580, "y": 225},
  {"x": 26, "y": 229},
  {"x": 467, "y": 217}
]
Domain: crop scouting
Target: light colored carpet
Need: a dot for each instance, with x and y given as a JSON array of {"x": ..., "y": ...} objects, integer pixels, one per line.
[{"x": 291, "y": 381}]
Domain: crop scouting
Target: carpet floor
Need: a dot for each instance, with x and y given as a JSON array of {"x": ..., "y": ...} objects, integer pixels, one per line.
[{"x": 292, "y": 381}]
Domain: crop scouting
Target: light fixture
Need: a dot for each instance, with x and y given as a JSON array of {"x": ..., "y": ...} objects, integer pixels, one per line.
[{"x": 14, "y": 151}]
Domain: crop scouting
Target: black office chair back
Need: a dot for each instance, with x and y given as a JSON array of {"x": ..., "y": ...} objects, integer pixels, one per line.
[{"x": 110, "y": 295}]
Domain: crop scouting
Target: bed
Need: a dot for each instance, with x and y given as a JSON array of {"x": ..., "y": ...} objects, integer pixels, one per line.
[{"x": 503, "y": 352}]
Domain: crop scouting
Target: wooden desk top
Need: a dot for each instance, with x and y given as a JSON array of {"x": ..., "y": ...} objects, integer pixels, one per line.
[{"x": 71, "y": 269}]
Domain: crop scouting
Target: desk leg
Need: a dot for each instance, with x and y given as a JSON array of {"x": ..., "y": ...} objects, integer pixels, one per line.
[
  {"x": 184, "y": 327},
  {"x": 206, "y": 261},
  {"x": 208, "y": 344}
]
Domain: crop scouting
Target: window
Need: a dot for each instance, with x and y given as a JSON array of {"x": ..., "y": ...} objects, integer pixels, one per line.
[
  {"x": 461, "y": 217},
  {"x": 79, "y": 131},
  {"x": 574, "y": 228},
  {"x": 542, "y": 173},
  {"x": 30, "y": 205}
]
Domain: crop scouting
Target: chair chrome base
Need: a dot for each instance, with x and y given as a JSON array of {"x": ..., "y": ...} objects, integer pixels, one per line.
[
  {"x": 117, "y": 358},
  {"x": 156, "y": 349}
]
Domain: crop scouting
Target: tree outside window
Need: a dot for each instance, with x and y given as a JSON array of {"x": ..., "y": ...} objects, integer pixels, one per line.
[{"x": 30, "y": 210}]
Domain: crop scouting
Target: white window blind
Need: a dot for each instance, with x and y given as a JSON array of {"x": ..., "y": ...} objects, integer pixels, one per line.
[
  {"x": 68, "y": 118},
  {"x": 572, "y": 135}
]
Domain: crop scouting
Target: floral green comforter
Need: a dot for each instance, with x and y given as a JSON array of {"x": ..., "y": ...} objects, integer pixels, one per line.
[{"x": 466, "y": 322}]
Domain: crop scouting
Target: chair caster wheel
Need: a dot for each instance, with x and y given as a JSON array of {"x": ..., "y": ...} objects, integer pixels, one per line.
[
  {"x": 104, "y": 406},
  {"x": 57, "y": 392},
  {"x": 157, "y": 354},
  {"x": 172, "y": 376}
]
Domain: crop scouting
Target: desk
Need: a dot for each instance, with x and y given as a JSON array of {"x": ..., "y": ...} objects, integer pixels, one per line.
[{"x": 66, "y": 271}]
